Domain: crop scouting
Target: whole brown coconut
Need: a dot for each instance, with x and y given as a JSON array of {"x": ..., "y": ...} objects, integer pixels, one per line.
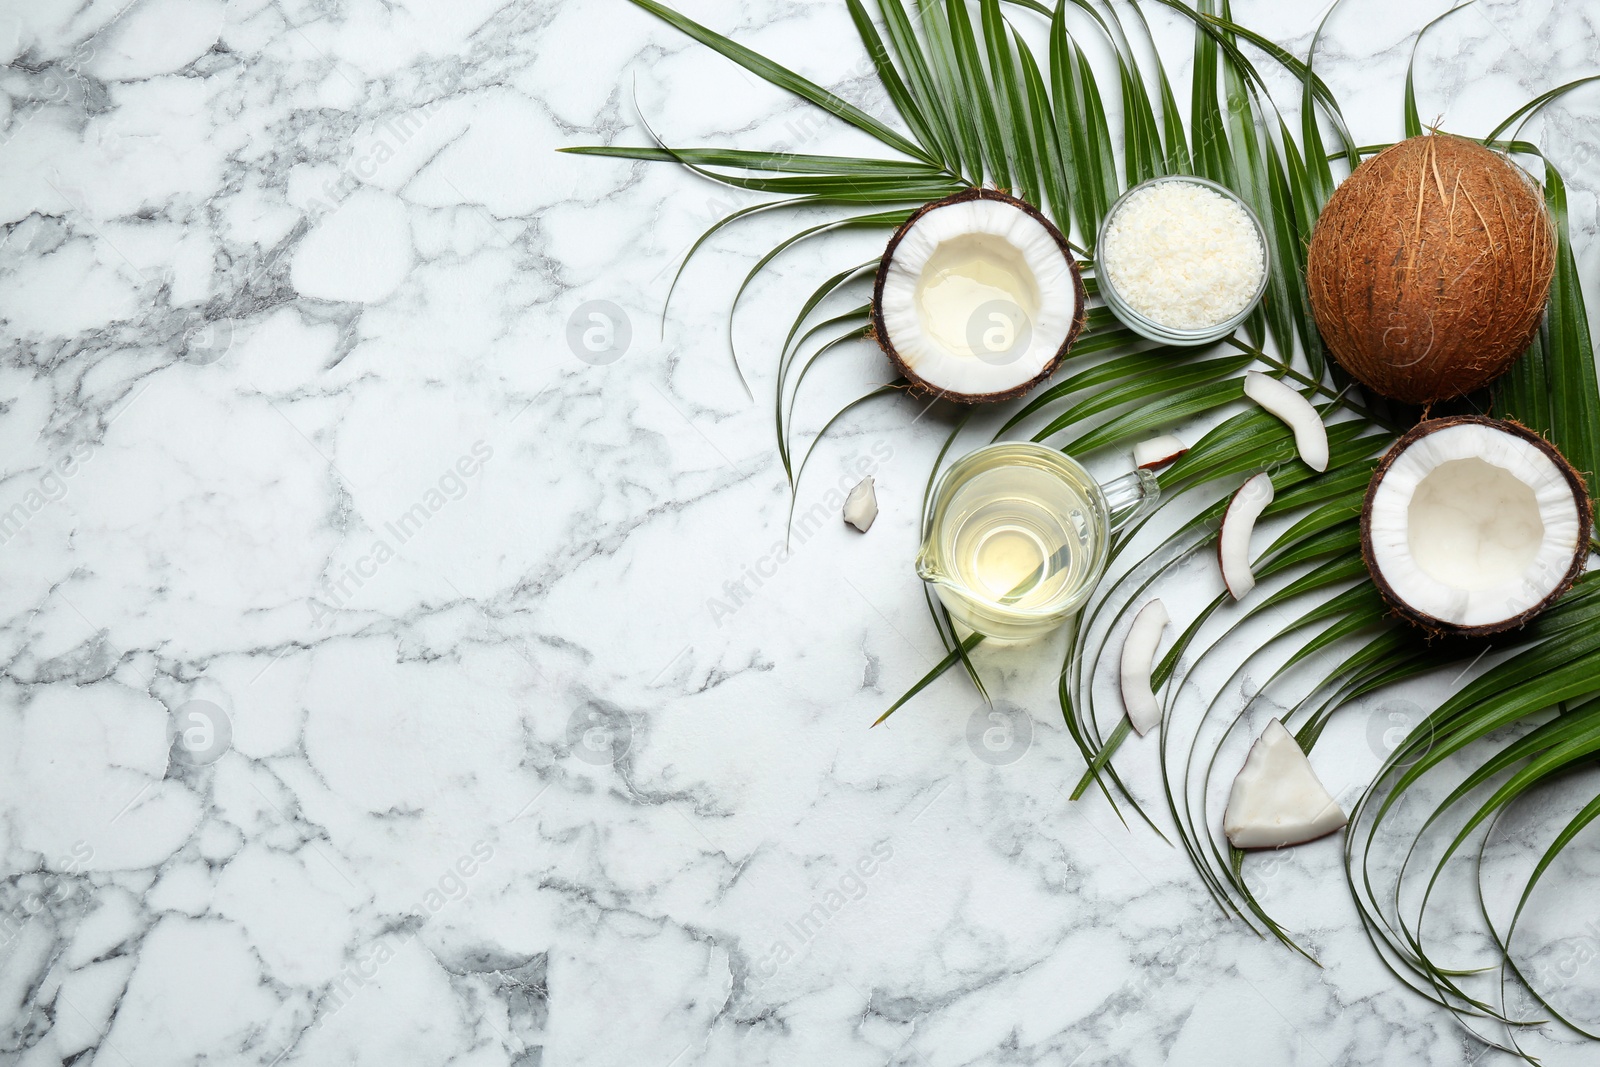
[{"x": 1429, "y": 268}]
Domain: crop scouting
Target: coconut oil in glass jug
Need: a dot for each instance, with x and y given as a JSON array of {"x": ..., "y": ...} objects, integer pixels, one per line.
[{"x": 1018, "y": 537}]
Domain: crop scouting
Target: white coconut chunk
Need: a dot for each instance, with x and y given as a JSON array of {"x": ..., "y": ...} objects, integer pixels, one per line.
[
  {"x": 978, "y": 297},
  {"x": 1157, "y": 452},
  {"x": 1138, "y": 661},
  {"x": 1310, "y": 435},
  {"x": 1238, "y": 523},
  {"x": 861, "y": 506},
  {"x": 1473, "y": 525},
  {"x": 1277, "y": 799}
]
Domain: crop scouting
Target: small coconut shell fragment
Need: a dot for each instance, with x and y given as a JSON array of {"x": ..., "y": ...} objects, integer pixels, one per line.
[
  {"x": 861, "y": 506},
  {"x": 1310, "y": 435},
  {"x": 1473, "y": 526},
  {"x": 1277, "y": 799},
  {"x": 1138, "y": 662},
  {"x": 1238, "y": 523},
  {"x": 1157, "y": 452}
]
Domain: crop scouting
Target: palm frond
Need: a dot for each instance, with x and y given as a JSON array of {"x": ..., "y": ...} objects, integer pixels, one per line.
[{"x": 978, "y": 106}]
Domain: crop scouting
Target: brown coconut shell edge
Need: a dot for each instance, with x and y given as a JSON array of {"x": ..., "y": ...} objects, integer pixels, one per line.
[
  {"x": 1439, "y": 627},
  {"x": 880, "y": 332}
]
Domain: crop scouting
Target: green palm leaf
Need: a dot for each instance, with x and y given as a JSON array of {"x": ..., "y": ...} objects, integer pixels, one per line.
[
  {"x": 785, "y": 78},
  {"x": 980, "y": 107}
]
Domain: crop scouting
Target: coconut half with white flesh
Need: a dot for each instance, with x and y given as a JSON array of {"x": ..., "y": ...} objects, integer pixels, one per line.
[
  {"x": 977, "y": 298},
  {"x": 1473, "y": 526},
  {"x": 1277, "y": 799}
]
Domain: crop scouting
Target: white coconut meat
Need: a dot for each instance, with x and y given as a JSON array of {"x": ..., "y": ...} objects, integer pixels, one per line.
[
  {"x": 1238, "y": 523},
  {"x": 978, "y": 297},
  {"x": 1472, "y": 525},
  {"x": 1277, "y": 799},
  {"x": 861, "y": 506},
  {"x": 1158, "y": 452},
  {"x": 1138, "y": 663},
  {"x": 1310, "y": 435}
]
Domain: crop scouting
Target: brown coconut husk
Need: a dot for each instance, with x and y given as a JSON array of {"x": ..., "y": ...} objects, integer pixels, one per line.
[
  {"x": 879, "y": 332},
  {"x": 1429, "y": 268},
  {"x": 1439, "y": 627}
]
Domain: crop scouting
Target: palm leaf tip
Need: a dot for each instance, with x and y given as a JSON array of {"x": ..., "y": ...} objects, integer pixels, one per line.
[{"x": 977, "y": 105}]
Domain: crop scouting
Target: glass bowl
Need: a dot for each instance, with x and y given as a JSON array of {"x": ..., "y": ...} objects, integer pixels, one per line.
[{"x": 1148, "y": 327}]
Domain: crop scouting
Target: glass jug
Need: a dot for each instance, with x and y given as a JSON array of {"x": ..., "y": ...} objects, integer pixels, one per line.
[{"x": 1018, "y": 536}]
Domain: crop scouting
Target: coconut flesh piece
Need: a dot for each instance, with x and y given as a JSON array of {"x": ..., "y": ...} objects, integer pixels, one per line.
[
  {"x": 1277, "y": 799},
  {"x": 978, "y": 298},
  {"x": 1157, "y": 452},
  {"x": 1310, "y": 435},
  {"x": 1138, "y": 660},
  {"x": 861, "y": 506},
  {"x": 1238, "y": 523},
  {"x": 1474, "y": 526}
]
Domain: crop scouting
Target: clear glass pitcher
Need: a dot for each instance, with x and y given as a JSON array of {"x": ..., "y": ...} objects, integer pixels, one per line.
[{"x": 1018, "y": 536}]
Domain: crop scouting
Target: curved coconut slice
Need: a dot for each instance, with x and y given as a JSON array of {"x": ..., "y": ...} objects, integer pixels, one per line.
[
  {"x": 1474, "y": 526},
  {"x": 1277, "y": 799},
  {"x": 1138, "y": 660},
  {"x": 977, "y": 298},
  {"x": 1310, "y": 435},
  {"x": 1238, "y": 523},
  {"x": 1157, "y": 452}
]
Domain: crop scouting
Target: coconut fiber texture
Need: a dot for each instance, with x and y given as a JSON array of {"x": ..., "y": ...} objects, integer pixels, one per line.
[{"x": 1429, "y": 268}]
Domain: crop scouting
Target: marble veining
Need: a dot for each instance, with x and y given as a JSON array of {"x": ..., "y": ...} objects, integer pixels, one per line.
[{"x": 396, "y": 673}]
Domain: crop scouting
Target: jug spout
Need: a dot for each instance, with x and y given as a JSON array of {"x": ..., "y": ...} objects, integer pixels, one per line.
[{"x": 928, "y": 568}]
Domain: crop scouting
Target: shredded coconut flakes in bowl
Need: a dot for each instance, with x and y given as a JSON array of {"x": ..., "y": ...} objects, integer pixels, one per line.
[{"x": 1183, "y": 255}]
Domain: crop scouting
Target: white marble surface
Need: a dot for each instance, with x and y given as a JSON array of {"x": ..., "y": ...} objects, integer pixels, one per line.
[{"x": 275, "y": 277}]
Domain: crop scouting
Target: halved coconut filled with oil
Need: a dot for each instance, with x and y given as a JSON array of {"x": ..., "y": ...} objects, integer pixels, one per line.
[
  {"x": 978, "y": 298},
  {"x": 1474, "y": 526}
]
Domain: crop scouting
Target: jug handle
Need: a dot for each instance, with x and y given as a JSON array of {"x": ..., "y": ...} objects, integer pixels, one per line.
[{"x": 1130, "y": 496}]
